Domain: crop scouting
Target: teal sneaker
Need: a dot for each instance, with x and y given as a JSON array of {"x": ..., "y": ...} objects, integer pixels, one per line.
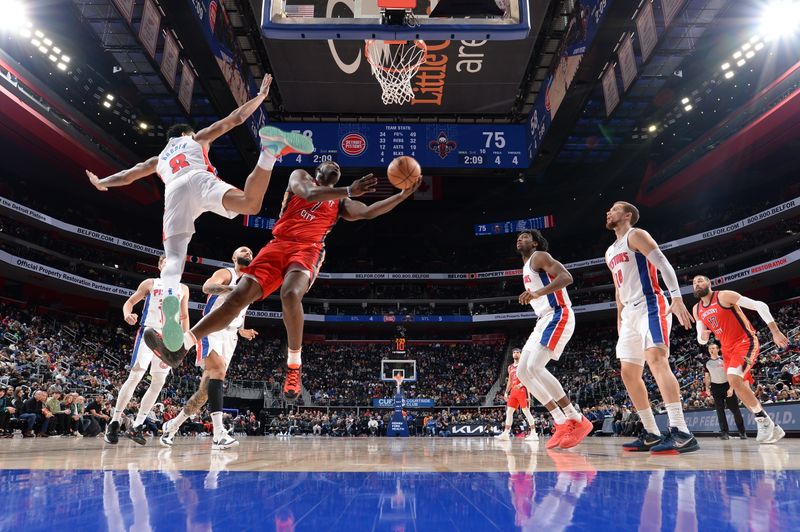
[
  {"x": 171, "y": 328},
  {"x": 277, "y": 142}
]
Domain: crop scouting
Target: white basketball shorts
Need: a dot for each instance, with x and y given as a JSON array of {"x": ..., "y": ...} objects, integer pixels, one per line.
[
  {"x": 645, "y": 324},
  {"x": 143, "y": 358},
  {"x": 223, "y": 343},
  {"x": 553, "y": 330},
  {"x": 189, "y": 196}
]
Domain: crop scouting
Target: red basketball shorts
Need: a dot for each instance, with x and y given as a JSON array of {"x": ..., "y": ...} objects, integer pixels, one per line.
[
  {"x": 518, "y": 398},
  {"x": 273, "y": 261},
  {"x": 739, "y": 355}
]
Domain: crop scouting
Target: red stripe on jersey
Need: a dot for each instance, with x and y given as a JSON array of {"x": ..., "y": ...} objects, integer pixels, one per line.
[
  {"x": 209, "y": 166},
  {"x": 559, "y": 294},
  {"x": 652, "y": 274},
  {"x": 562, "y": 324}
]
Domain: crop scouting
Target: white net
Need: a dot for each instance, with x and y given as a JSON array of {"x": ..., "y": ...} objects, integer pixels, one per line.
[{"x": 394, "y": 64}]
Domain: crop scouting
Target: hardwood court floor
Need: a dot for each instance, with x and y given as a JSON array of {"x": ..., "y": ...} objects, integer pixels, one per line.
[
  {"x": 395, "y": 484},
  {"x": 385, "y": 454}
]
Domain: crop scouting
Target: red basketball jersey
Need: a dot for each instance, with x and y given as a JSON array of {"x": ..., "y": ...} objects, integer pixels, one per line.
[
  {"x": 512, "y": 376},
  {"x": 306, "y": 221},
  {"x": 729, "y": 324}
]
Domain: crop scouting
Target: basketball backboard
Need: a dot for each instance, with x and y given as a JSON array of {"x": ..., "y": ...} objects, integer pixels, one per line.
[
  {"x": 363, "y": 19},
  {"x": 390, "y": 368}
]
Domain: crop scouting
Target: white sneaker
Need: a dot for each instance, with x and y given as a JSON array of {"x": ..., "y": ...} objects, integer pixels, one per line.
[
  {"x": 503, "y": 436},
  {"x": 225, "y": 442},
  {"x": 167, "y": 437},
  {"x": 766, "y": 428},
  {"x": 532, "y": 436},
  {"x": 777, "y": 434}
]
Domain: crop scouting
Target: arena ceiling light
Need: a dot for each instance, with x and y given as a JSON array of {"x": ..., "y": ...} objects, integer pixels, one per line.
[
  {"x": 652, "y": 128},
  {"x": 12, "y": 15},
  {"x": 729, "y": 74},
  {"x": 726, "y": 66},
  {"x": 780, "y": 18}
]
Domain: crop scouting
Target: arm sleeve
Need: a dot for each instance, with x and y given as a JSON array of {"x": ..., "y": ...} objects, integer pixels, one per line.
[
  {"x": 758, "y": 306},
  {"x": 701, "y": 328},
  {"x": 670, "y": 279}
]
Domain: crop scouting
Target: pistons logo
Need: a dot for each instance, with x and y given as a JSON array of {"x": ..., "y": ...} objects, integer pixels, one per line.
[
  {"x": 354, "y": 144},
  {"x": 442, "y": 145}
]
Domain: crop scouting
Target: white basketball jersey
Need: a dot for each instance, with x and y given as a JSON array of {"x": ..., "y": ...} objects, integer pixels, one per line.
[
  {"x": 536, "y": 280},
  {"x": 181, "y": 156},
  {"x": 215, "y": 300},
  {"x": 634, "y": 276},
  {"x": 151, "y": 312}
]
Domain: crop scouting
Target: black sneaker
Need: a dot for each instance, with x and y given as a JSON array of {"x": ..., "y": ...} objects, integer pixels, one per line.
[
  {"x": 742, "y": 435},
  {"x": 724, "y": 436},
  {"x": 112, "y": 433},
  {"x": 136, "y": 434},
  {"x": 643, "y": 443},
  {"x": 676, "y": 442},
  {"x": 154, "y": 341}
]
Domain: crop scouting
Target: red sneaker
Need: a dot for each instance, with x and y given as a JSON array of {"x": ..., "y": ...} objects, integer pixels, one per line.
[
  {"x": 559, "y": 431},
  {"x": 578, "y": 430},
  {"x": 292, "y": 385}
]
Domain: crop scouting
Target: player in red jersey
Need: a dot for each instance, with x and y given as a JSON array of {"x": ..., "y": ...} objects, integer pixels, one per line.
[
  {"x": 721, "y": 313},
  {"x": 516, "y": 396},
  {"x": 291, "y": 260}
]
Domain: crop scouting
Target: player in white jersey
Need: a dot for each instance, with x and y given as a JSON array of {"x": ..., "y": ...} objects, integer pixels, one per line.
[
  {"x": 192, "y": 188},
  {"x": 545, "y": 281},
  {"x": 214, "y": 355},
  {"x": 643, "y": 321},
  {"x": 151, "y": 291}
]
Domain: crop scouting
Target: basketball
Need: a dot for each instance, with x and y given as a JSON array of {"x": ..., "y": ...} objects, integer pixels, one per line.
[{"x": 403, "y": 172}]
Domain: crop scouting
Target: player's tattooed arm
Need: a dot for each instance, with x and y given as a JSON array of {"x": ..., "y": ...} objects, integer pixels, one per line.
[
  {"x": 125, "y": 177},
  {"x": 218, "y": 283}
]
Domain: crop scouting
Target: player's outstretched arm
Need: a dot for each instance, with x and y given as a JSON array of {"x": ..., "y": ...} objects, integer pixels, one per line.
[
  {"x": 140, "y": 293},
  {"x": 211, "y": 133},
  {"x": 185, "y": 308},
  {"x": 125, "y": 177},
  {"x": 356, "y": 210},
  {"x": 218, "y": 283},
  {"x": 641, "y": 241},
  {"x": 543, "y": 261},
  {"x": 302, "y": 184},
  {"x": 729, "y": 297}
]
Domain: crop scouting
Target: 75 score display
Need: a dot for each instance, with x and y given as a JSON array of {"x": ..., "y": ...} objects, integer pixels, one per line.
[{"x": 433, "y": 145}]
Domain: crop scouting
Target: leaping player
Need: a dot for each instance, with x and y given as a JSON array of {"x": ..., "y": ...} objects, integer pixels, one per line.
[
  {"x": 193, "y": 188},
  {"x": 215, "y": 354},
  {"x": 151, "y": 291},
  {"x": 545, "y": 281},
  {"x": 643, "y": 321},
  {"x": 720, "y": 312},
  {"x": 516, "y": 396},
  {"x": 291, "y": 260}
]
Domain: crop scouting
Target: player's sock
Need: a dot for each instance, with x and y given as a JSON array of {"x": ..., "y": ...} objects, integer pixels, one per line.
[
  {"x": 675, "y": 415},
  {"x": 266, "y": 160},
  {"x": 215, "y": 397},
  {"x": 179, "y": 420},
  {"x": 558, "y": 416},
  {"x": 758, "y": 411},
  {"x": 189, "y": 340},
  {"x": 649, "y": 421},
  {"x": 219, "y": 428},
  {"x": 571, "y": 412},
  {"x": 293, "y": 359}
]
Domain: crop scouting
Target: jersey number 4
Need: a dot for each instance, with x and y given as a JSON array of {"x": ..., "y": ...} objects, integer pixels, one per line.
[{"x": 178, "y": 162}]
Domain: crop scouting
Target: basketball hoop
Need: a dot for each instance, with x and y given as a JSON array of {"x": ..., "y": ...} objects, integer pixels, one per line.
[
  {"x": 393, "y": 64},
  {"x": 398, "y": 377}
]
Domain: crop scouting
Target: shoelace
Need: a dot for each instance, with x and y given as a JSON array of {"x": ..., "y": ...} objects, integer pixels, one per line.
[{"x": 293, "y": 377}]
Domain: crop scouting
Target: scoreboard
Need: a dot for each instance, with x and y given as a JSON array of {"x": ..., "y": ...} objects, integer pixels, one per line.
[{"x": 433, "y": 145}]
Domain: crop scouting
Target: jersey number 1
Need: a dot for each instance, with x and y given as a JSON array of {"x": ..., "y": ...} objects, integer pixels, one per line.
[
  {"x": 618, "y": 278},
  {"x": 178, "y": 162}
]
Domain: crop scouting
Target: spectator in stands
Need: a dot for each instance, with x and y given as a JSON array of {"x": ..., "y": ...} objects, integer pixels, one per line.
[
  {"x": 60, "y": 419},
  {"x": 34, "y": 414},
  {"x": 6, "y": 411},
  {"x": 97, "y": 410}
]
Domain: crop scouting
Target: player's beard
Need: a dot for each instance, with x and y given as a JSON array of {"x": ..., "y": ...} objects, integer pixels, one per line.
[
  {"x": 701, "y": 292},
  {"x": 243, "y": 262},
  {"x": 611, "y": 224}
]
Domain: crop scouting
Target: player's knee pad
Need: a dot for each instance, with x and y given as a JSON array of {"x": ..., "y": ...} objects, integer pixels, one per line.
[{"x": 215, "y": 395}]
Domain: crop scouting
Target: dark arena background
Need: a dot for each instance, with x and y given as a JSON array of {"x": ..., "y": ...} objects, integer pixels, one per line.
[{"x": 388, "y": 395}]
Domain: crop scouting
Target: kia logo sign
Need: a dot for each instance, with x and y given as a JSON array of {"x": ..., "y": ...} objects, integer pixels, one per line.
[{"x": 354, "y": 144}]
